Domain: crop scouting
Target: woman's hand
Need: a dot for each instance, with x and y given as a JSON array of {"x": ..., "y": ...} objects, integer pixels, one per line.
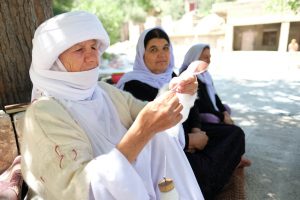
[
  {"x": 156, "y": 116},
  {"x": 162, "y": 113},
  {"x": 187, "y": 81},
  {"x": 227, "y": 118},
  {"x": 184, "y": 84},
  {"x": 197, "y": 141}
]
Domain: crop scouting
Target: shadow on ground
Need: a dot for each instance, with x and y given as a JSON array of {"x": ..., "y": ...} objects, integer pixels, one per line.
[{"x": 269, "y": 113}]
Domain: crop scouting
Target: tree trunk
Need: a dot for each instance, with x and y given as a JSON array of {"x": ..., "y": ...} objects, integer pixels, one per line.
[{"x": 18, "y": 21}]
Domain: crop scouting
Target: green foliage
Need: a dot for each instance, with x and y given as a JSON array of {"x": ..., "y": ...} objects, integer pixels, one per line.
[
  {"x": 205, "y": 6},
  {"x": 62, "y": 6},
  {"x": 175, "y": 8},
  {"x": 294, "y": 5},
  {"x": 277, "y": 5},
  {"x": 110, "y": 12},
  {"x": 136, "y": 10},
  {"x": 284, "y": 5},
  {"x": 108, "y": 56}
]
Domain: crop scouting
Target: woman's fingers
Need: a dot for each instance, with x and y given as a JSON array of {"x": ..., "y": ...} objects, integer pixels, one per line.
[
  {"x": 188, "y": 85},
  {"x": 173, "y": 101},
  {"x": 184, "y": 84},
  {"x": 167, "y": 96},
  {"x": 178, "y": 108},
  {"x": 162, "y": 113}
]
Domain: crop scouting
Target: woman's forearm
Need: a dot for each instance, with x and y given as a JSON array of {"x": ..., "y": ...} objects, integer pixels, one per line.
[{"x": 134, "y": 141}]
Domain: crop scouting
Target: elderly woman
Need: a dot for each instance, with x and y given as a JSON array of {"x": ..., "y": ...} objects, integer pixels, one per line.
[
  {"x": 214, "y": 151},
  {"x": 212, "y": 110},
  {"x": 88, "y": 140},
  {"x": 209, "y": 107}
]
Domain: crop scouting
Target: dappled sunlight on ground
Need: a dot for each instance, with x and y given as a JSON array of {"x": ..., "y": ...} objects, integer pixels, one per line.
[
  {"x": 269, "y": 113},
  {"x": 274, "y": 97}
]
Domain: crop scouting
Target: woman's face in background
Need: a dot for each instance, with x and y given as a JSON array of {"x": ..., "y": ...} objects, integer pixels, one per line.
[
  {"x": 157, "y": 55},
  {"x": 205, "y": 56}
]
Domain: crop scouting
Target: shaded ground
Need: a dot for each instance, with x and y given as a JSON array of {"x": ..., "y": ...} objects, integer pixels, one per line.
[{"x": 269, "y": 113}]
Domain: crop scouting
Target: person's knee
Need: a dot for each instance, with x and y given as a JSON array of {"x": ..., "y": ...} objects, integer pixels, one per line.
[
  {"x": 238, "y": 133},
  {"x": 238, "y": 138}
]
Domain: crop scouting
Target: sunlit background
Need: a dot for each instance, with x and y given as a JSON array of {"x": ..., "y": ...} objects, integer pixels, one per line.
[
  {"x": 253, "y": 70},
  {"x": 244, "y": 35}
]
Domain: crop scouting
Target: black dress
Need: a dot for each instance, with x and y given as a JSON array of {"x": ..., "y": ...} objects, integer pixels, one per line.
[{"x": 213, "y": 165}]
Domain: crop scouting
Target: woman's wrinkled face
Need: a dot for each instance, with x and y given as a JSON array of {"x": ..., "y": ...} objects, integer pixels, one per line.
[
  {"x": 205, "y": 56},
  {"x": 157, "y": 55},
  {"x": 82, "y": 56}
]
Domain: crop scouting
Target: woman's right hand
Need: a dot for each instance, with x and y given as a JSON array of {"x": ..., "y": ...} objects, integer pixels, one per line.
[
  {"x": 160, "y": 114},
  {"x": 156, "y": 116}
]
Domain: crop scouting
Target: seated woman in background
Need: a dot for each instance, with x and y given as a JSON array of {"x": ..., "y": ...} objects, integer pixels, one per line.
[
  {"x": 88, "y": 140},
  {"x": 213, "y": 152},
  {"x": 209, "y": 106}
]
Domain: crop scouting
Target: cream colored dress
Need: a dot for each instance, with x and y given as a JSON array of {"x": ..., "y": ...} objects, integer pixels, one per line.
[{"x": 58, "y": 161}]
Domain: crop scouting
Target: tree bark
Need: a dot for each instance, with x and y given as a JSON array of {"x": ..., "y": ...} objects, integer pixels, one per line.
[{"x": 18, "y": 21}]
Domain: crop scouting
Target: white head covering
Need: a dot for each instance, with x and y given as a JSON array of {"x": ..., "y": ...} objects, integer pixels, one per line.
[
  {"x": 140, "y": 70},
  {"x": 52, "y": 38},
  {"x": 193, "y": 54}
]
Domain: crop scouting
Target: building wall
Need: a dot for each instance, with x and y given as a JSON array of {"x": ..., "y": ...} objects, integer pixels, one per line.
[
  {"x": 186, "y": 31},
  {"x": 215, "y": 41},
  {"x": 252, "y": 26},
  {"x": 262, "y": 37}
]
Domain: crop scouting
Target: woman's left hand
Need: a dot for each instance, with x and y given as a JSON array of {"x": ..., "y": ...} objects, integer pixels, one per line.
[
  {"x": 227, "y": 118},
  {"x": 184, "y": 84},
  {"x": 197, "y": 141}
]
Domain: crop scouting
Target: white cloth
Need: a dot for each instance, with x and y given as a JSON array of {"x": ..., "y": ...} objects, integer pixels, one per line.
[
  {"x": 69, "y": 85},
  {"x": 52, "y": 38},
  {"x": 99, "y": 119},
  {"x": 164, "y": 158},
  {"x": 61, "y": 32},
  {"x": 108, "y": 178},
  {"x": 140, "y": 70},
  {"x": 193, "y": 54}
]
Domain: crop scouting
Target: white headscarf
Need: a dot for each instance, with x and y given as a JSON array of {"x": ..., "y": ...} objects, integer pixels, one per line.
[
  {"x": 140, "y": 70},
  {"x": 193, "y": 54},
  {"x": 78, "y": 92},
  {"x": 53, "y": 37}
]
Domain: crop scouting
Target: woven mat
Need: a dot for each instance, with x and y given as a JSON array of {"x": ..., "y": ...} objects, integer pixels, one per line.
[
  {"x": 235, "y": 188},
  {"x": 8, "y": 146}
]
